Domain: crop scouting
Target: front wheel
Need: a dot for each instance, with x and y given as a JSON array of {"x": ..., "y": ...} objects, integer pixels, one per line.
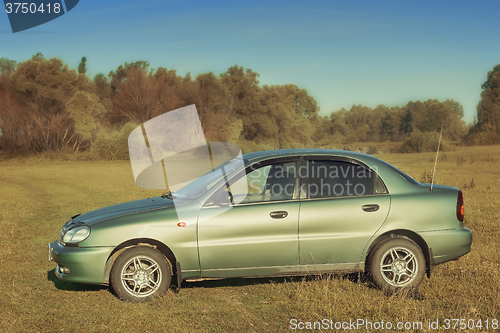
[
  {"x": 140, "y": 273},
  {"x": 397, "y": 264}
]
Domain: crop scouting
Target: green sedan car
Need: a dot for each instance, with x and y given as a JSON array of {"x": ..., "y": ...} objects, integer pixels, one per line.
[{"x": 271, "y": 213}]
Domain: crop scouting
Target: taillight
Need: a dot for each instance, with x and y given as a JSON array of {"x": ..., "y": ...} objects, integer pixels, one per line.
[{"x": 460, "y": 207}]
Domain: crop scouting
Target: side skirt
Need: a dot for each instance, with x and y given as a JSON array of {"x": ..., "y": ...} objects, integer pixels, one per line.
[{"x": 272, "y": 271}]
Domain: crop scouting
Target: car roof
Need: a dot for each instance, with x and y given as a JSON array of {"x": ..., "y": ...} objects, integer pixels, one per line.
[{"x": 263, "y": 155}]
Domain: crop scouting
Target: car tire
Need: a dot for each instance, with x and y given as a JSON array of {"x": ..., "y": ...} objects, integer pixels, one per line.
[
  {"x": 140, "y": 273},
  {"x": 397, "y": 264}
]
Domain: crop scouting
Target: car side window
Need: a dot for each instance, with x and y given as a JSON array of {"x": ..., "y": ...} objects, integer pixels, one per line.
[
  {"x": 328, "y": 178},
  {"x": 267, "y": 183}
]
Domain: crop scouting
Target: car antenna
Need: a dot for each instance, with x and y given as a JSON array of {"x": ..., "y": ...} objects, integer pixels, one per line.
[{"x": 437, "y": 152}]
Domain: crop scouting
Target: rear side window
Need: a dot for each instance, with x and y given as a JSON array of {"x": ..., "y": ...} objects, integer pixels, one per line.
[
  {"x": 326, "y": 178},
  {"x": 402, "y": 174}
]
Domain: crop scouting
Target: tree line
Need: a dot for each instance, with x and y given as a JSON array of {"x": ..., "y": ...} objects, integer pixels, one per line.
[
  {"x": 487, "y": 128},
  {"x": 47, "y": 106}
]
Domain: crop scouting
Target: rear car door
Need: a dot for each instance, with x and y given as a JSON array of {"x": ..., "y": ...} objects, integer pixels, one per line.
[{"x": 343, "y": 203}]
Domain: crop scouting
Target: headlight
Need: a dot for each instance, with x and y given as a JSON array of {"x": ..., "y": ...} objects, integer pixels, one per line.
[{"x": 76, "y": 235}]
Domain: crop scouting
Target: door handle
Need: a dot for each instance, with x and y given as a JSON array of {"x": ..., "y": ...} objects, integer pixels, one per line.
[
  {"x": 280, "y": 214},
  {"x": 370, "y": 208}
]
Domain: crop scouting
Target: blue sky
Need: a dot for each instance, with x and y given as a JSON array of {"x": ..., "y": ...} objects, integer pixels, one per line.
[{"x": 342, "y": 52}]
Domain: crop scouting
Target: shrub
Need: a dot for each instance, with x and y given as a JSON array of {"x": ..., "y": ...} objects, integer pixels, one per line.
[
  {"x": 486, "y": 134},
  {"x": 419, "y": 142},
  {"x": 426, "y": 176},
  {"x": 351, "y": 138},
  {"x": 251, "y": 146},
  {"x": 112, "y": 145}
]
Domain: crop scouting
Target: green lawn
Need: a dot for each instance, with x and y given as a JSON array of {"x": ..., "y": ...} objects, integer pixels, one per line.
[{"x": 36, "y": 198}]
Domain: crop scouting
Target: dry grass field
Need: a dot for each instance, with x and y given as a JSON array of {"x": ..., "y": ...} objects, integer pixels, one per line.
[{"x": 37, "y": 197}]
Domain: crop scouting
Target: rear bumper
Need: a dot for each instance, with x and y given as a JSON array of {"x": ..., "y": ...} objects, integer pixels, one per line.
[
  {"x": 448, "y": 245},
  {"x": 79, "y": 264}
]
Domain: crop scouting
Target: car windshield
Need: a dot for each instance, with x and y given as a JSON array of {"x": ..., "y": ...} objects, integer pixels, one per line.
[{"x": 204, "y": 183}]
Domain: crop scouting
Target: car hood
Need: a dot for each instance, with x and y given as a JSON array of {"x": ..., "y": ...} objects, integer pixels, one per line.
[{"x": 127, "y": 208}]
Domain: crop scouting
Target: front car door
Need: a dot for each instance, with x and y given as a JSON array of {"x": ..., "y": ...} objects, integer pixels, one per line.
[
  {"x": 343, "y": 203},
  {"x": 258, "y": 235}
]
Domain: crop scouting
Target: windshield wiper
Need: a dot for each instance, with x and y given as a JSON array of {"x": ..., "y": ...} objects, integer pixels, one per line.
[{"x": 168, "y": 195}]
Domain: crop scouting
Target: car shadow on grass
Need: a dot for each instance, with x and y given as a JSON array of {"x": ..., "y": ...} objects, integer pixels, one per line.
[
  {"x": 70, "y": 286},
  {"x": 237, "y": 282},
  {"x": 227, "y": 282},
  {"x": 233, "y": 282}
]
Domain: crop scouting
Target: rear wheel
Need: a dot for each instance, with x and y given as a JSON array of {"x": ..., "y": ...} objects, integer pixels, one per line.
[
  {"x": 140, "y": 273},
  {"x": 397, "y": 264}
]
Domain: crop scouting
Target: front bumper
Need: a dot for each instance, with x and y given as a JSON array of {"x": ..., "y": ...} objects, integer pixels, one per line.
[
  {"x": 79, "y": 264},
  {"x": 448, "y": 245}
]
